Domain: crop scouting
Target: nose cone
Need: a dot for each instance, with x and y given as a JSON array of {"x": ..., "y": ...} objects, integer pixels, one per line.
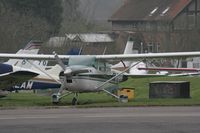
[{"x": 5, "y": 68}]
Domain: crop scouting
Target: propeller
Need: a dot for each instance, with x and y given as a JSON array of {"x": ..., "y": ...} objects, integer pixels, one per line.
[
  {"x": 62, "y": 65},
  {"x": 66, "y": 70}
]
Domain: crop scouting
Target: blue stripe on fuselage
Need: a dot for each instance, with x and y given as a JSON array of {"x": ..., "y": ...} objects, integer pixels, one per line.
[
  {"x": 34, "y": 85},
  {"x": 5, "y": 68}
]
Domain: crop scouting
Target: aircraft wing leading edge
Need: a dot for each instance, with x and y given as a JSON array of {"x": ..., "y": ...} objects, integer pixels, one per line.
[
  {"x": 169, "y": 69},
  {"x": 149, "y": 56},
  {"x": 105, "y": 57}
]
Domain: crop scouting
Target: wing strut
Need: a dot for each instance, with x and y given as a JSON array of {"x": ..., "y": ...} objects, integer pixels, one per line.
[{"x": 114, "y": 78}]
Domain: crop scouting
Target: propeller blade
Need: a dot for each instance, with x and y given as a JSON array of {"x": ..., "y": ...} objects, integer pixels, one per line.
[{"x": 62, "y": 65}]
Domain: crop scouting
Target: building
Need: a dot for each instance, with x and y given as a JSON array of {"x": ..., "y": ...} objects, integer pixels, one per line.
[
  {"x": 89, "y": 43},
  {"x": 95, "y": 43},
  {"x": 166, "y": 25}
]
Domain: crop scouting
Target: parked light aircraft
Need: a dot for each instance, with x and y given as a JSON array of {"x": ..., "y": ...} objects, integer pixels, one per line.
[
  {"x": 16, "y": 71},
  {"x": 42, "y": 80},
  {"x": 91, "y": 73},
  {"x": 50, "y": 78},
  {"x": 87, "y": 72}
]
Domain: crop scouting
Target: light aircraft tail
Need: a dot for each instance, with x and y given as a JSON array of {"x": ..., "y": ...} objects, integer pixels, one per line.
[
  {"x": 128, "y": 50},
  {"x": 123, "y": 65},
  {"x": 129, "y": 46},
  {"x": 74, "y": 51},
  {"x": 32, "y": 47},
  {"x": 33, "y": 44}
]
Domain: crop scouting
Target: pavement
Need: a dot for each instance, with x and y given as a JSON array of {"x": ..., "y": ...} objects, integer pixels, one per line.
[{"x": 101, "y": 120}]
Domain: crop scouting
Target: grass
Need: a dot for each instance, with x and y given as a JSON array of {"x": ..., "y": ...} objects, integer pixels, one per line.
[{"x": 141, "y": 85}]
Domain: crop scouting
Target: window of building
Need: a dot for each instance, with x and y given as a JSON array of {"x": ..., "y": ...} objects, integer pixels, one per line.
[
  {"x": 191, "y": 21},
  {"x": 157, "y": 48},
  {"x": 134, "y": 26},
  {"x": 141, "y": 26},
  {"x": 150, "y": 47},
  {"x": 153, "y": 11},
  {"x": 153, "y": 47},
  {"x": 148, "y": 26},
  {"x": 164, "y": 12}
]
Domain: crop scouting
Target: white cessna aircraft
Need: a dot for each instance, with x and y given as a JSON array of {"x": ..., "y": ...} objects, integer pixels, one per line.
[
  {"x": 49, "y": 79},
  {"x": 91, "y": 73}
]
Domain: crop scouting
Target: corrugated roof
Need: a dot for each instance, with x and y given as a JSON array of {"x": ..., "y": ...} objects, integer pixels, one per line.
[
  {"x": 150, "y": 10},
  {"x": 93, "y": 37}
]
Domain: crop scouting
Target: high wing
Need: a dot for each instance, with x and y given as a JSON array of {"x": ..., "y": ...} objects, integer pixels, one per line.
[
  {"x": 169, "y": 69},
  {"x": 148, "y": 56},
  {"x": 116, "y": 57},
  {"x": 149, "y": 75},
  {"x": 14, "y": 78}
]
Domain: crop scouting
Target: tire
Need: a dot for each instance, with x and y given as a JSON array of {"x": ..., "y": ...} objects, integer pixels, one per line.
[{"x": 74, "y": 101}]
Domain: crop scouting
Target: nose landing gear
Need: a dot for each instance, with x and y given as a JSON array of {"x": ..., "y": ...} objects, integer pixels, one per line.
[{"x": 57, "y": 97}]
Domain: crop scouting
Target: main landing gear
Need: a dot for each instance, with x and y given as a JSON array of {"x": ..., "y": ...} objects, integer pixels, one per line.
[
  {"x": 56, "y": 98},
  {"x": 75, "y": 99}
]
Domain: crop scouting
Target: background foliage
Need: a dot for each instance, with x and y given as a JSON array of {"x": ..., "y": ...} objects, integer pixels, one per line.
[{"x": 25, "y": 20}]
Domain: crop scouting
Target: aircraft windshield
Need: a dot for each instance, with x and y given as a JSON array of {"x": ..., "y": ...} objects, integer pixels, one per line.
[
  {"x": 84, "y": 61},
  {"x": 103, "y": 66}
]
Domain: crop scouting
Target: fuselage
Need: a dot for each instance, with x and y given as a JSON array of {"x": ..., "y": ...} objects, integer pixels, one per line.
[
  {"x": 83, "y": 82},
  {"x": 93, "y": 83},
  {"x": 41, "y": 81}
]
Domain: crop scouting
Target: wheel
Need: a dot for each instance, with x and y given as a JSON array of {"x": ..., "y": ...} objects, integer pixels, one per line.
[
  {"x": 55, "y": 99},
  {"x": 74, "y": 101}
]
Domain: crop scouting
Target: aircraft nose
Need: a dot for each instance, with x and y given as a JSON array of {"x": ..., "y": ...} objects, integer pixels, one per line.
[{"x": 5, "y": 68}]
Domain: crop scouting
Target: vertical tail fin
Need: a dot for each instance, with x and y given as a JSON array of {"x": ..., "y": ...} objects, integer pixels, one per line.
[
  {"x": 129, "y": 46},
  {"x": 33, "y": 44},
  {"x": 128, "y": 50},
  {"x": 32, "y": 47},
  {"x": 123, "y": 65}
]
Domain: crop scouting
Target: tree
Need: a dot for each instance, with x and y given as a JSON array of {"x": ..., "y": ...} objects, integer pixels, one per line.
[
  {"x": 50, "y": 10},
  {"x": 24, "y": 20},
  {"x": 16, "y": 30},
  {"x": 73, "y": 20}
]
